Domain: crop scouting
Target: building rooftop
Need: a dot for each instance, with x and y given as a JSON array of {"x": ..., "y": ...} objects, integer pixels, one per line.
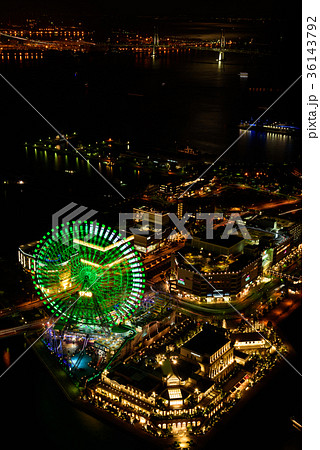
[
  {"x": 206, "y": 262},
  {"x": 240, "y": 354},
  {"x": 29, "y": 247},
  {"x": 264, "y": 223},
  {"x": 207, "y": 342},
  {"x": 203, "y": 383},
  {"x": 232, "y": 240},
  {"x": 234, "y": 380},
  {"x": 127, "y": 374},
  {"x": 175, "y": 393},
  {"x": 243, "y": 337},
  {"x": 186, "y": 369},
  {"x": 167, "y": 368},
  {"x": 151, "y": 209}
]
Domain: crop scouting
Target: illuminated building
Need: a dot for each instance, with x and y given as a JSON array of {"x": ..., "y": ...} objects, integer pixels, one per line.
[
  {"x": 276, "y": 236},
  {"x": 282, "y": 250},
  {"x": 180, "y": 209},
  {"x": 240, "y": 357},
  {"x": 168, "y": 189},
  {"x": 150, "y": 229},
  {"x": 212, "y": 351},
  {"x": 152, "y": 217},
  {"x": 232, "y": 245},
  {"x": 208, "y": 277},
  {"x": 26, "y": 256},
  {"x": 170, "y": 390},
  {"x": 249, "y": 342},
  {"x": 148, "y": 243},
  {"x": 291, "y": 228},
  {"x": 169, "y": 393}
]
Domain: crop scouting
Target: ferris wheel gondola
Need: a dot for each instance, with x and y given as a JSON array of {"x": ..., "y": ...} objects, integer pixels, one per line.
[{"x": 88, "y": 274}]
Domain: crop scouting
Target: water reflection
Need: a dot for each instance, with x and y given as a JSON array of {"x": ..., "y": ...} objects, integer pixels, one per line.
[
  {"x": 267, "y": 146},
  {"x": 109, "y": 170},
  {"x": 45, "y": 154},
  {"x": 56, "y": 161}
]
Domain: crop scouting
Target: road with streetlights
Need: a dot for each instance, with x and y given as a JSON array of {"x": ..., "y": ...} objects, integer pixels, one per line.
[{"x": 247, "y": 303}]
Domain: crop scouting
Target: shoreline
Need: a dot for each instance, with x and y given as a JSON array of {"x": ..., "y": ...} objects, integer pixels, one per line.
[
  {"x": 72, "y": 394},
  {"x": 244, "y": 400}
]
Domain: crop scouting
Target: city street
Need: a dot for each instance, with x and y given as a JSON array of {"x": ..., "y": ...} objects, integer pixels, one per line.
[{"x": 247, "y": 303}]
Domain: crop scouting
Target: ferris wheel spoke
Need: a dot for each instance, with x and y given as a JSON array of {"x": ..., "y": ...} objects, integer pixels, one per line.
[{"x": 95, "y": 280}]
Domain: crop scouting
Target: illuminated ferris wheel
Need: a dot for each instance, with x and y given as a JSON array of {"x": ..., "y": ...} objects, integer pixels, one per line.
[{"x": 88, "y": 274}]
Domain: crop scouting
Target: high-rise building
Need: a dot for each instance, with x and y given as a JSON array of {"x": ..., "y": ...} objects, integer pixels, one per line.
[{"x": 180, "y": 209}]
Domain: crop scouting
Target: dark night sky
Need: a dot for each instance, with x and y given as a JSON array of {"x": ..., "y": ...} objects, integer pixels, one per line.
[
  {"x": 103, "y": 16},
  {"x": 200, "y": 8}
]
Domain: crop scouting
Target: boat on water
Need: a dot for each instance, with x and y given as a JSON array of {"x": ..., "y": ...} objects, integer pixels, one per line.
[{"x": 274, "y": 127}]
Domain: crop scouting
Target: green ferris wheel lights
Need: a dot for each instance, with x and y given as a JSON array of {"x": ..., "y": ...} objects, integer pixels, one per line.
[{"x": 88, "y": 274}]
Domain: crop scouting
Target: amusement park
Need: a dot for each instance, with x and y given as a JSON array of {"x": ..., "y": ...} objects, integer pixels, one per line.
[
  {"x": 91, "y": 281},
  {"x": 136, "y": 345},
  {"x": 151, "y": 260}
]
